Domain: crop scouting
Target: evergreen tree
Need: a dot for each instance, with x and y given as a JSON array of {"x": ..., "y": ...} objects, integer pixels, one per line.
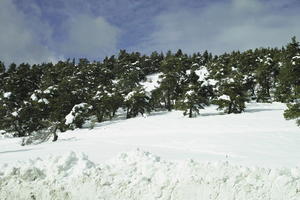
[
  {"x": 264, "y": 75},
  {"x": 291, "y": 75},
  {"x": 78, "y": 115},
  {"x": 230, "y": 89},
  {"x": 289, "y": 82},
  {"x": 106, "y": 102},
  {"x": 173, "y": 69},
  {"x": 136, "y": 102},
  {"x": 196, "y": 96},
  {"x": 293, "y": 112}
]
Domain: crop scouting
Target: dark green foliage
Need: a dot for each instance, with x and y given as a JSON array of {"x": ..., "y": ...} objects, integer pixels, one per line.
[
  {"x": 78, "y": 115},
  {"x": 289, "y": 80},
  {"x": 264, "y": 76},
  {"x": 231, "y": 93},
  {"x": 136, "y": 102},
  {"x": 106, "y": 102},
  {"x": 196, "y": 95},
  {"x": 293, "y": 112},
  {"x": 173, "y": 69}
]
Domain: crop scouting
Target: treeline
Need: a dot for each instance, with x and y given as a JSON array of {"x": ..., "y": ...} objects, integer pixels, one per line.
[{"x": 56, "y": 97}]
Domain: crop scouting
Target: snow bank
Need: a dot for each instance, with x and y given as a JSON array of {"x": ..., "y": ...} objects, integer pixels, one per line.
[{"x": 141, "y": 175}]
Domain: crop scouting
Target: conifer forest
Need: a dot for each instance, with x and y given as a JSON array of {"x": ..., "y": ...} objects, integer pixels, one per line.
[{"x": 55, "y": 97}]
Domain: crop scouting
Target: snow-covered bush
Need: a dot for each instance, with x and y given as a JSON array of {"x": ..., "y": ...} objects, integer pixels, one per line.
[{"x": 78, "y": 115}]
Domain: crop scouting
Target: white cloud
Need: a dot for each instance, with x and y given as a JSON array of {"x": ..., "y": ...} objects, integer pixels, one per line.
[
  {"x": 89, "y": 37},
  {"x": 18, "y": 36},
  {"x": 219, "y": 27},
  {"x": 25, "y": 37}
]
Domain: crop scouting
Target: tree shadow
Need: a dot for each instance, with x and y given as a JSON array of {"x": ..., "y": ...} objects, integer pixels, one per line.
[
  {"x": 68, "y": 139},
  {"x": 107, "y": 123},
  {"x": 122, "y": 118},
  {"x": 156, "y": 113},
  {"x": 211, "y": 114},
  {"x": 260, "y": 110},
  {"x": 15, "y": 151}
]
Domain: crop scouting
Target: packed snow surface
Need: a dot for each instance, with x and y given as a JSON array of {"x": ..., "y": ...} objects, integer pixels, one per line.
[
  {"x": 253, "y": 155},
  {"x": 141, "y": 175}
]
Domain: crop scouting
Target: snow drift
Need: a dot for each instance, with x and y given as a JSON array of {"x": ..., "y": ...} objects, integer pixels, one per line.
[{"x": 141, "y": 175}]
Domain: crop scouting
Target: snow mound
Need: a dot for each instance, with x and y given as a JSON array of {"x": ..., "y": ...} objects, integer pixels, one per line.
[{"x": 142, "y": 175}]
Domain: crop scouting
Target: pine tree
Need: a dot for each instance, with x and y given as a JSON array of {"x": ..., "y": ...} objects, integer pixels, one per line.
[
  {"x": 291, "y": 75},
  {"x": 230, "y": 89},
  {"x": 264, "y": 75},
  {"x": 106, "y": 102},
  {"x": 78, "y": 115},
  {"x": 136, "y": 102},
  {"x": 173, "y": 70},
  {"x": 293, "y": 112},
  {"x": 288, "y": 87},
  {"x": 196, "y": 96}
]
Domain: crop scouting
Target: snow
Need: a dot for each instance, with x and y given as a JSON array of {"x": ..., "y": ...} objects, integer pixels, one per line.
[
  {"x": 142, "y": 175},
  {"x": 129, "y": 95},
  {"x": 250, "y": 138},
  {"x": 296, "y": 57},
  {"x": 195, "y": 65},
  {"x": 202, "y": 73},
  {"x": 224, "y": 97},
  {"x": 15, "y": 114},
  {"x": 49, "y": 89},
  {"x": 43, "y": 100},
  {"x": 7, "y": 94},
  {"x": 135, "y": 63},
  {"x": 190, "y": 92},
  {"x": 33, "y": 97},
  {"x": 253, "y": 155},
  {"x": 73, "y": 114},
  {"x": 152, "y": 82},
  {"x": 188, "y": 72},
  {"x": 69, "y": 118}
]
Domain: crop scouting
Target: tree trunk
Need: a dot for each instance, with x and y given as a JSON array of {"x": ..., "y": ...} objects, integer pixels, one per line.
[
  {"x": 230, "y": 108},
  {"x": 114, "y": 112},
  {"x": 190, "y": 113},
  {"x": 128, "y": 114},
  {"x": 268, "y": 91},
  {"x": 100, "y": 117},
  {"x": 55, "y": 136},
  {"x": 169, "y": 104}
]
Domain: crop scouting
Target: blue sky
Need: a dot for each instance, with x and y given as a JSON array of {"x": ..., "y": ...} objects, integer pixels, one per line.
[{"x": 42, "y": 30}]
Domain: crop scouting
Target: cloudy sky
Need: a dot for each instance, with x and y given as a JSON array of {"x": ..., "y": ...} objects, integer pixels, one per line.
[{"x": 42, "y": 30}]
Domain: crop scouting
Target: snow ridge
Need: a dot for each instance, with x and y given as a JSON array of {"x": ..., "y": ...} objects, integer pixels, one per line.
[{"x": 142, "y": 175}]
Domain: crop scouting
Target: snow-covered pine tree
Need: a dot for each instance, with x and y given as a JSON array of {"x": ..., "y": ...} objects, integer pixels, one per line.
[
  {"x": 231, "y": 93},
  {"x": 135, "y": 102}
]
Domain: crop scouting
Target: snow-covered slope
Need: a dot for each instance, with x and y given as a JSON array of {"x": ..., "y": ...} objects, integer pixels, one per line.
[
  {"x": 233, "y": 144},
  {"x": 260, "y": 136}
]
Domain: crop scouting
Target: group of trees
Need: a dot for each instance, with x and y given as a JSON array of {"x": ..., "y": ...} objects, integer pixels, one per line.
[{"x": 62, "y": 96}]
